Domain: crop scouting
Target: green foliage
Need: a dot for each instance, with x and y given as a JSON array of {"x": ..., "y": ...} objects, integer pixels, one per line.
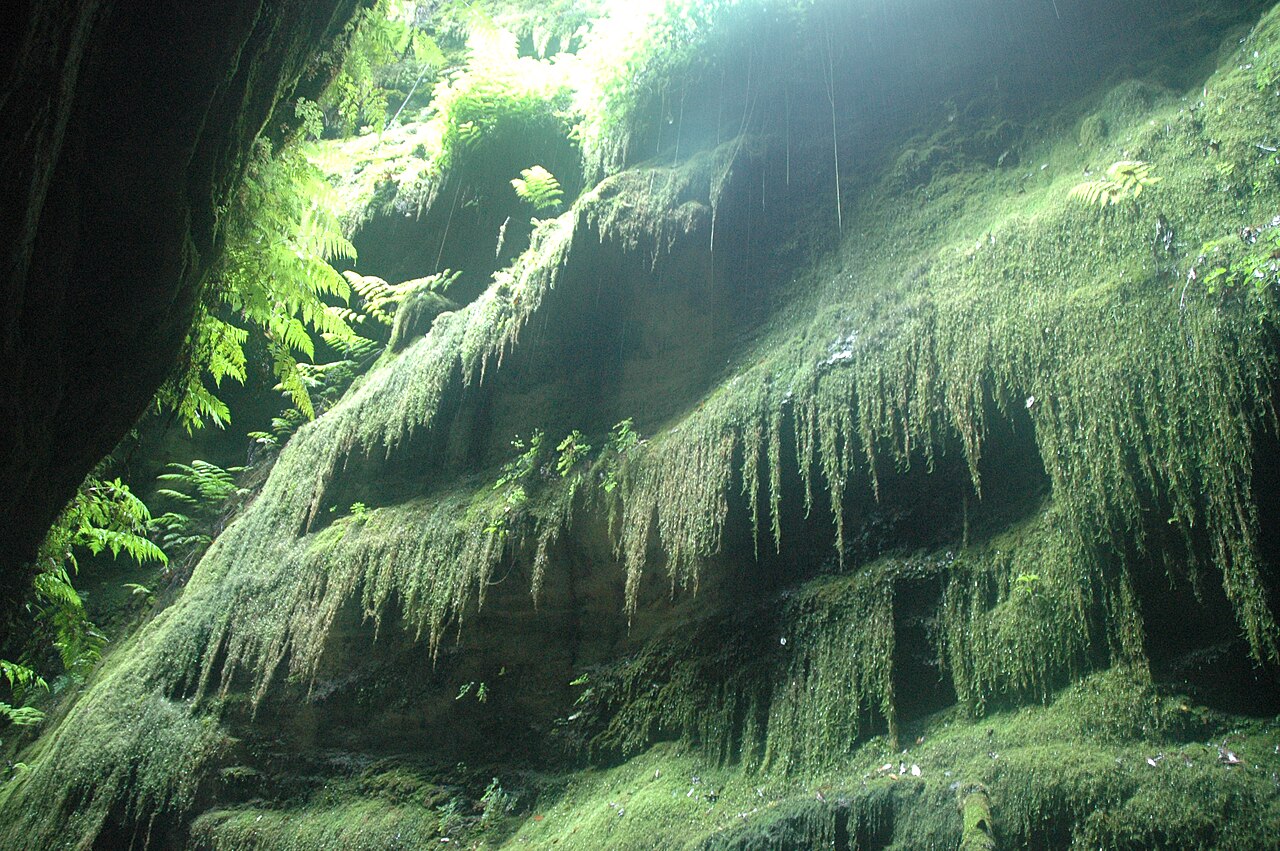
[
  {"x": 520, "y": 468},
  {"x": 495, "y": 803},
  {"x": 513, "y": 482},
  {"x": 1125, "y": 179},
  {"x": 385, "y": 45},
  {"x": 202, "y": 491},
  {"x": 103, "y": 517},
  {"x": 585, "y": 697},
  {"x": 20, "y": 716},
  {"x": 622, "y": 440},
  {"x": 22, "y": 681},
  {"x": 572, "y": 450},
  {"x": 310, "y": 118},
  {"x": 1026, "y": 583},
  {"x": 539, "y": 187},
  {"x": 201, "y": 485},
  {"x": 282, "y": 427},
  {"x": 382, "y": 300},
  {"x": 355, "y": 96},
  {"x": 274, "y": 277},
  {"x": 451, "y": 817},
  {"x": 1246, "y": 267},
  {"x": 481, "y": 691},
  {"x": 1136, "y": 404}
]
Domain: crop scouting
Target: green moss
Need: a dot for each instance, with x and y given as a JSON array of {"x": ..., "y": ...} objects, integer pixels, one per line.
[
  {"x": 797, "y": 687},
  {"x": 269, "y": 588},
  {"x": 1139, "y": 400},
  {"x": 1020, "y": 614},
  {"x": 1074, "y": 773},
  {"x": 372, "y": 824},
  {"x": 992, "y": 295},
  {"x": 129, "y": 754},
  {"x": 1093, "y": 132},
  {"x": 978, "y": 832}
]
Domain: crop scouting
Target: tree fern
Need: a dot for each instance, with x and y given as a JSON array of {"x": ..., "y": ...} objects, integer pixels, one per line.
[{"x": 539, "y": 187}]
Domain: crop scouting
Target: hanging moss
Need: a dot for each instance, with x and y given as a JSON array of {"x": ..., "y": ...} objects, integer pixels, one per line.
[
  {"x": 1141, "y": 400},
  {"x": 271, "y": 585},
  {"x": 133, "y": 755},
  {"x": 1020, "y": 615},
  {"x": 840, "y": 638},
  {"x": 992, "y": 292},
  {"x": 1108, "y": 764}
]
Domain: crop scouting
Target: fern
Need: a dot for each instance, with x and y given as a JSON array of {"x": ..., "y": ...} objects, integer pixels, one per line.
[
  {"x": 21, "y": 678},
  {"x": 207, "y": 485},
  {"x": 1125, "y": 179},
  {"x": 275, "y": 280},
  {"x": 381, "y": 300},
  {"x": 202, "y": 491},
  {"x": 539, "y": 187},
  {"x": 20, "y": 716},
  {"x": 178, "y": 533},
  {"x": 104, "y": 516}
]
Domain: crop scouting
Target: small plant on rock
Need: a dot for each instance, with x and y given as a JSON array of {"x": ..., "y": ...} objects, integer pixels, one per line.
[{"x": 1125, "y": 179}]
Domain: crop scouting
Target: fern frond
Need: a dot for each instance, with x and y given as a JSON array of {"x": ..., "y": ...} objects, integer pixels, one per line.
[
  {"x": 116, "y": 541},
  {"x": 539, "y": 187},
  {"x": 1125, "y": 179},
  {"x": 291, "y": 384},
  {"x": 54, "y": 586},
  {"x": 1132, "y": 176},
  {"x": 198, "y": 404},
  {"x": 178, "y": 496},
  {"x": 292, "y": 334},
  {"x": 20, "y": 676},
  {"x": 274, "y": 277},
  {"x": 355, "y": 347},
  {"x": 1101, "y": 192},
  {"x": 20, "y": 716}
]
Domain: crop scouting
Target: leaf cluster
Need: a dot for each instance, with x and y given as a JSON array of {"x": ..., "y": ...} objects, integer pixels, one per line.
[
  {"x": 572, "y": 450},
  {"x": 1125, "y": 179},
  {"x": 622, "y": 440},
  {"x": 380, "y": 300},
  {"x": 201, "y": 490},
  {"x": 103, "y": 517},
  {"x": 274, "y": 278},
  {"x": 1246, "y": 265},
  {"x": 539, "y": 187}
]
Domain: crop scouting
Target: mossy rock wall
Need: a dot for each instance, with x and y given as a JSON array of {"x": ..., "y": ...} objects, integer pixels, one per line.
[{"x": 917, "y": 510}]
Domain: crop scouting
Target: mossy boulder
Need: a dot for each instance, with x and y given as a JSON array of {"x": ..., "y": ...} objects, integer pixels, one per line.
[{"x": 417, "y": 313}]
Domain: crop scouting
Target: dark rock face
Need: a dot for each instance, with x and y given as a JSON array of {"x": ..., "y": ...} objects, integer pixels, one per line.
[{"x": 123, "y": 130}]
